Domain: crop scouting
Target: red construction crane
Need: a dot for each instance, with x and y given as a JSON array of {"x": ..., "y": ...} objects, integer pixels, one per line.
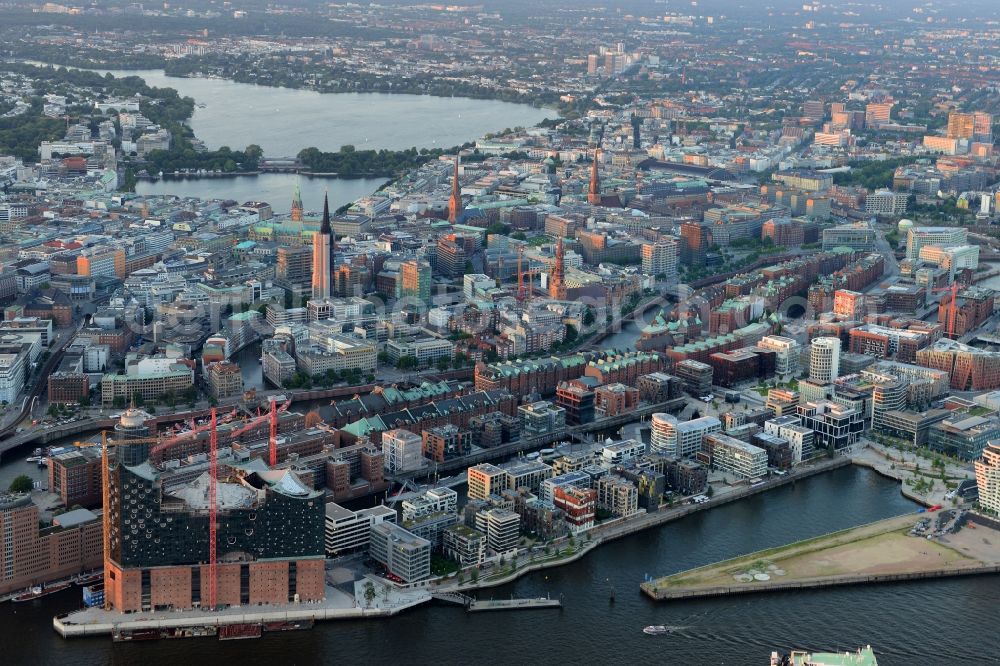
[
  {"x": 257, "y": 420},
  {"x": 213, "y": 527},
  {"x": 272, "y": 440},
  {"x": 167, "y": 442}
]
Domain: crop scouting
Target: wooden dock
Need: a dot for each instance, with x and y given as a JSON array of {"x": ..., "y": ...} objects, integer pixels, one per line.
[{"x": 513, "y": 604}]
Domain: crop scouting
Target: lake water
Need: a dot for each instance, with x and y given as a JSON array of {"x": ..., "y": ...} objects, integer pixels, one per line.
[
  {"x": 283, "y": 121},
  {"x": 274, "y": 188},
  {"x": 913, "y": 624}
]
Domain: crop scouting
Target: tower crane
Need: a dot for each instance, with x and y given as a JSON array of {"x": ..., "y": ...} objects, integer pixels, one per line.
[
  {"x": 167, "y": 442},
  {"x": 161, "y": 443},
  {"x": 272, "y": 416}
]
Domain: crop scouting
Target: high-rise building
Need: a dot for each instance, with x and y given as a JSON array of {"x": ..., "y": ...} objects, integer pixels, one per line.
[
  {"x": 294, "y": 264},
  {"x": 814, "y": 109},
  {"x": 835, "y": 426},
  {"x": 660, "y": 258},
  {"x": 824, "y": 360},
  {"x": 877, "y": 114},
  {"x": 886, "y": 202},
  {"x": 695, "y": 241},
  {"x": 697, "y": 376},
  {"x": 857, "y": 236},
  {"x": 455, "y": 201},
  {"x": 736, "y": 457},
  {"x": 988, "y": 477},
  {"x": 502, "y": 528},
  {"x": 976, "y": 126},
  {"x": 451, "y": 256},
  {"x": 888, "y": 394},
  {"x": 415, "y": 280},
  {"x": 323, "y": 261}
]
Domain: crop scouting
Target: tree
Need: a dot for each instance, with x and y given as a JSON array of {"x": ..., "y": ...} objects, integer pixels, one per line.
[
  {"x": 709, "y": 491},
  {"x": 21, "y": 484},
  {"x": 369, "y": 593},
  {"x": 53, "y": 410},
  {"x": 84, "y": 401},
  {"x": 443, "y": 364}
]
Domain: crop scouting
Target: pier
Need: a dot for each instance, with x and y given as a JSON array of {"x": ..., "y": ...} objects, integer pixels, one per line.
[
  {"x": 886, "y": 551},
  {"x": 513, "y": 604},
  {"x": 474, "y": 605}
]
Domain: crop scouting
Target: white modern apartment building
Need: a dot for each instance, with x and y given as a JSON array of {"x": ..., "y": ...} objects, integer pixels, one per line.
[
  {"x": 12, "y": 373},
  {"x": 403, "y": 450},
  {"x": 790, "y": 428},
  {"x": 404, "y": 554},
  {"x": 348, "y": 531},
  {"x": 918, "y": 237},
  {"x": 681, "y": 439},
  {"x": 786, "y": 355},
  {"x": 824, "y": 360},
  {"x": 434, "y": 500},
  {"x": 734, "y": 456}
]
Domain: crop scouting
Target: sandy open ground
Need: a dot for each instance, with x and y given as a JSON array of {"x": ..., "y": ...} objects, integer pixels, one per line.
[{"x": 884, "y": 547}]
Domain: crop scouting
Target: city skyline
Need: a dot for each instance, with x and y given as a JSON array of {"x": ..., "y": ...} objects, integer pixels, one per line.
[{"x": 587, "y": 271}]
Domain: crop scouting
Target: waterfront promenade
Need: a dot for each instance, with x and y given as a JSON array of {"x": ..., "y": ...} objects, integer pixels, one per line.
[
  {"x": 338, "y": 605},
  {"x": 919, "y": 481},
  {"x": 569, "y": 549}
]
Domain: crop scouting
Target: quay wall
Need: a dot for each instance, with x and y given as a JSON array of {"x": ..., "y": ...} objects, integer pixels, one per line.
[{"x": 827, "y": 581}]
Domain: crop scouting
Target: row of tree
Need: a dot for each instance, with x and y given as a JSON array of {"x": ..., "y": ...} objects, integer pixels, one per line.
[{"x": 350, "y": 162}]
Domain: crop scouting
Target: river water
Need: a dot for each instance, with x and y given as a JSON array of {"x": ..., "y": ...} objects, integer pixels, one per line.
[{"x": 925, "y": 623}]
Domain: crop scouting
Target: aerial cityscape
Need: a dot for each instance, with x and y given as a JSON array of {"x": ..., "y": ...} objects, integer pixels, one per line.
[{"x": 500, "y": 331}]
